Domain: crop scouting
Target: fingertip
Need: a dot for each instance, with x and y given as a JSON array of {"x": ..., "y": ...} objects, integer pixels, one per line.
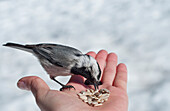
[
  {"x": 122, "y": 67},
  {"x": 112, "y": 56},
  {"x": 22, "y": 85},
  {"x": 92, "y": 53},
  {"x": 101, "y": 57},
  {"x": 37, "y": 86},
  {"x": 102, "y": 52}
]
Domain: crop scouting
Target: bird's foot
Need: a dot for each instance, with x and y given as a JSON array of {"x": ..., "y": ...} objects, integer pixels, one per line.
[{"x": 67, "y": 87}]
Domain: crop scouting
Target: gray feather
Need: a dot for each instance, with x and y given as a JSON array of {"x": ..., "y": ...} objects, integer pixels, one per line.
[
  {"x": 19, "y": 46},
  {"x": 59, "y": 55},
  {"x": 54, "y": 53}
]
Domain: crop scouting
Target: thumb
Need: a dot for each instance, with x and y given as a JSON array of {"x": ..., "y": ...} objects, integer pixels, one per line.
[{"x": 37, "y": 86}]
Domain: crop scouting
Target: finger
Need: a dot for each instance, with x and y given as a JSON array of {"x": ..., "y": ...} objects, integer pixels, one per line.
[
  {"x": 37, "y": 86},
  {"x": 91, "y": 53},
  {"x": 110, "y": 69},
  {"x": 76, "y": 79},
  {"x": 121, "y": 77},
  {"x": 101, "y": 59}
]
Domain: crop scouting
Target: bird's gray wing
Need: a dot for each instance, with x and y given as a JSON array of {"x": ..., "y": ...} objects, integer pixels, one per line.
[{"x": 59, "y": 55}]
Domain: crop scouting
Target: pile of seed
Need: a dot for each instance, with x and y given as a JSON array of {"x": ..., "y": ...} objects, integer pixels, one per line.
[{"x": 94, "y": 98}]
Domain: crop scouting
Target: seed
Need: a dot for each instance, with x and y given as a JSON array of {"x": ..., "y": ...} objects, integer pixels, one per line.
[
  {"x": 98, "y": 104},
  {"x": 94, "y": 102},
  {"x": 105, "y": 100},
  {"x": 87, "y": 90},
  {"x": 94, "y": 97},
  {"x": 106, "y": 90},
  {"x": 97, "y": 94},
  {"x": 83, "y": 97},
  {"x": 91, "y": 90},
  {"x": 83, "y": 92},
  {"x": 101, "y": 100},
  {"x": 104, "y": 96}
]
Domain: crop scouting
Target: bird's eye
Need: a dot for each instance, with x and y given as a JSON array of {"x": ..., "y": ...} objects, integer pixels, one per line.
[{"x": 78, "y": 55}]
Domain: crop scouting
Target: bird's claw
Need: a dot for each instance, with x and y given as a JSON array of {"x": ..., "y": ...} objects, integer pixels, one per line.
[{"x": 67, "y": 87}]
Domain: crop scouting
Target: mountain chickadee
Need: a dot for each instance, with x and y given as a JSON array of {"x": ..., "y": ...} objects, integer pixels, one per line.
[{"x": 60, "y": 60}]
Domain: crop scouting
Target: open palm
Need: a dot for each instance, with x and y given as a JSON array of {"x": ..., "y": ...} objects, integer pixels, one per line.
[{"x": 114, "y": 78}]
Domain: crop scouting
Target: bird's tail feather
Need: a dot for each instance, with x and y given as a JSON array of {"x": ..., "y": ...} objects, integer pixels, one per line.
[{"x": 19, "y": 46}]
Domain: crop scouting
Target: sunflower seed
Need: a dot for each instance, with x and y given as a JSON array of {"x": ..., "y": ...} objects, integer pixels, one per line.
[{"x": 98, "y": 104}]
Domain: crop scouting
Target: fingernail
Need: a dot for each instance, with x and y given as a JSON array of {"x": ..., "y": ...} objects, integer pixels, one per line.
[{"x": 22, "y": 85}]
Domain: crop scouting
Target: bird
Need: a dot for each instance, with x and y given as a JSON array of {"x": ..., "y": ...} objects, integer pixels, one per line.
[{"x": 63, "y": 60}]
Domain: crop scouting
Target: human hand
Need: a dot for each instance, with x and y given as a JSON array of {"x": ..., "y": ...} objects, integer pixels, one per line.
[{"x": 114, "y": 78}]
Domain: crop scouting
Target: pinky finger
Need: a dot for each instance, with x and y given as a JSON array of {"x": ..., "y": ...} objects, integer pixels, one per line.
[{"x": 121, "y": 77}]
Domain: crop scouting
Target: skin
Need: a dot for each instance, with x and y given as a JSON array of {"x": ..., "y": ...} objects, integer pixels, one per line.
[{"x": 114, "y": 78}]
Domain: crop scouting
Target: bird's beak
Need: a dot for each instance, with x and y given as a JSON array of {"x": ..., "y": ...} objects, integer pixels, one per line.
[
  {"x": 96, "y": 85},
  {"x": 94, "y": 82}
]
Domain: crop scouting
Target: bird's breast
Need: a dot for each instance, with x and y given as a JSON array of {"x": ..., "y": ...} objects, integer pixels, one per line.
[{"x": 56, "y": 71}]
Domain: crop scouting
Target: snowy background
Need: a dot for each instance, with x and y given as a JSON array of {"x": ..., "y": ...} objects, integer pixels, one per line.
[{"x": 137, "y": 30}]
